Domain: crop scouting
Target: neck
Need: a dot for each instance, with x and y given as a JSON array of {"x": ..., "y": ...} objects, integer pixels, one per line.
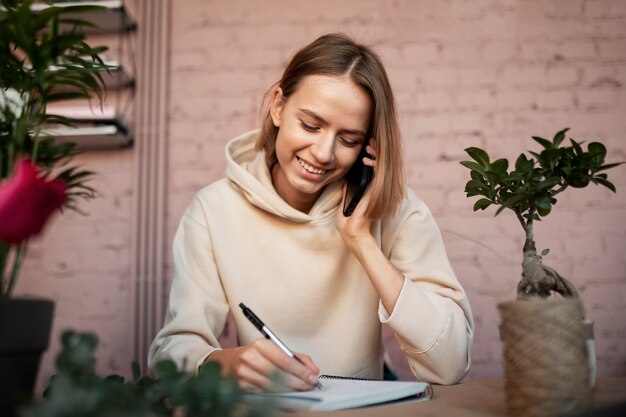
[{"x": 299, "y": 201}]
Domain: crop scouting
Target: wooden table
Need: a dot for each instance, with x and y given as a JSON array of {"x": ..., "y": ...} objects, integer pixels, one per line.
[{"x": 470, "y": 399}]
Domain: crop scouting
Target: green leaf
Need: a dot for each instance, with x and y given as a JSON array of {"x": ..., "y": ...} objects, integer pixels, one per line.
[
  {"x": 475, "y": 175},
  {"x": 545, "y": 252},
  {"x": 500, "y": 166},
  {"x": 479, "y": 156},
  {"x": 548, "y": 183},
  {"x": 474, "y": 166},
  {"x": 523, "y": 164},
  {"x": 542, "y": 201},
  {"x": 482, "y": 204},
  {"x": 578, "y": 150},
  {"x": 543, "y": 212},
  {"x": 543, "y": 142},
  {"x": 606, "y": 183},
  {"x": 559, "y": 137},
  {"x": 597, "y": 151},
  {"x": 512, "y": 201},
  {"x": 609, "y": 166},
  {"x": 476, "y": 184},
  {"x": 165, "y": 367}
]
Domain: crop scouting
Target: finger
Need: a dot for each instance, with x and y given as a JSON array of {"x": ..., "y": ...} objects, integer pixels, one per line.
[
  {"x": 252, "y": 381},
  {"x": 371, "y": 148},
  {"x": 293, "y": 374},
  {"x": 308, "y": 362},
  {"x": 369, "y": 162},
  {"x": 257, "y": 369}
]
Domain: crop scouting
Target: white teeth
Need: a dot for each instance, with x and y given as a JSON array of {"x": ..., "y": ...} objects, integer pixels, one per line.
[{"x": 310, "y": 168}]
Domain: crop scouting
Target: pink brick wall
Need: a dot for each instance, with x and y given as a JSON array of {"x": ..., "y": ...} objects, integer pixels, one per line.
[
  {"x": 465, "y": 73},
  {"x": 486, "y": 73}
]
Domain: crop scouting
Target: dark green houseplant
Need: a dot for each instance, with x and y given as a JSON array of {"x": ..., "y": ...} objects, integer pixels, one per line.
[
  {"x": 77, "y": 391},
  {"x": 43, "y": 59},
  {"x": 40, "y": 65},
  {"x": 547, "y": 346}
]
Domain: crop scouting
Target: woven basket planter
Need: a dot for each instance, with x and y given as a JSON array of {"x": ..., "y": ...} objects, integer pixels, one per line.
[{"x": 546, "y": 358}]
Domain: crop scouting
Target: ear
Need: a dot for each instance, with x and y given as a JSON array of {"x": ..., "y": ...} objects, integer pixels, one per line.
[{"x": 277, "y": 105}]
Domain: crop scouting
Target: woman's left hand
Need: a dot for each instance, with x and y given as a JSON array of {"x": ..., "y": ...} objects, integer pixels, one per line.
[
  {"x": 356, "y": 227},
  {"x": 357, "y": 234}
]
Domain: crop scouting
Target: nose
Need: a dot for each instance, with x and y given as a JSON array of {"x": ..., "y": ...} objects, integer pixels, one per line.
[{"x": 324, "y": 148}]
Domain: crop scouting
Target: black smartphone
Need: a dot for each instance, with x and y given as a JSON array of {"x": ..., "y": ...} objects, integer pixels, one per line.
[{"x": 358, "y": 179}]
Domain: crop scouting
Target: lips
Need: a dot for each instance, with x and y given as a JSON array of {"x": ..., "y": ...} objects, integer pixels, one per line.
[{"x": 310, "y": 168}]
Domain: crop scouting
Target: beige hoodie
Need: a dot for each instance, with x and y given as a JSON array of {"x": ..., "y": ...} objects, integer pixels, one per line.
[{"x": 239, "y": 242}]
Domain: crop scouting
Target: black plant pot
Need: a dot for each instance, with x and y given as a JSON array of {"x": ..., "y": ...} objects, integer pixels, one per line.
[{"x": 25, "y": 326}]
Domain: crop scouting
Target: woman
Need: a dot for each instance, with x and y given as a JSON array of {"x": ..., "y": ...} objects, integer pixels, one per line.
[{"x": 273, "y": 236}]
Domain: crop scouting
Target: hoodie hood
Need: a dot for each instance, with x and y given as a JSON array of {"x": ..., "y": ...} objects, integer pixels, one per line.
[{"x": 247, "y": 170}]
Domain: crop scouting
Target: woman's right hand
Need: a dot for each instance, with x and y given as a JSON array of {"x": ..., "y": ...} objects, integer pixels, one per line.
[{"x": 262, "y": 366}]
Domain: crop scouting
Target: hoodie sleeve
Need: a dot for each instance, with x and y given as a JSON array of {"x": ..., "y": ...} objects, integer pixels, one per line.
[
  {"x": 197, "y": 308},
  {"x": 432, "y": 319}
]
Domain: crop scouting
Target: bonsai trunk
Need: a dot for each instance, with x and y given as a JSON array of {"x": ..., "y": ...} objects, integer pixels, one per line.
[{"x": 539, "y": 280}]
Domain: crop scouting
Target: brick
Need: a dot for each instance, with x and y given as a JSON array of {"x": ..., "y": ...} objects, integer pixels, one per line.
[
  {"x": 477, "y": 78},
  {"x": 421, "y": 53},
  {"x": 498, "y": 51},
  {"x": 555, "y": 100},
  {"x": 604, "y": 76},
  {"x": 441, "y": 77},
  {"x": 576, "y": 50},
  {"x": 521, "y": 76},
  {"x": 599, "y": 98},
  {"x": 460, "y": 53},
  {"x": 605, "y": 9},
  {"x": 433, "y": 101},
  {"x": 604, "y": 297},
  {"x": 564, "y": 9},
  {"x": 611, "y": 27},
  {"x": 513, "y": 100},
  {"x": 474, "y": 100},
  {"x": 612, "y": 50},
  {"x": 562, "y": 76}
]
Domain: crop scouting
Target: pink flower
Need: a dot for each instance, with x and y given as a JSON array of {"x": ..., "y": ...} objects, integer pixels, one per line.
[{"x": 26, "y": 202}]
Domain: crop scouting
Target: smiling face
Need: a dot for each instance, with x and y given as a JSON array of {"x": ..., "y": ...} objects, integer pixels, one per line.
[{"x": 321, "y": 129}]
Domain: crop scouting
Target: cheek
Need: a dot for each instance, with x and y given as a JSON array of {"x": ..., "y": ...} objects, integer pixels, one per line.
[
  {"x": 291, "y": 139},
  {"x": 347, "y": 158}
]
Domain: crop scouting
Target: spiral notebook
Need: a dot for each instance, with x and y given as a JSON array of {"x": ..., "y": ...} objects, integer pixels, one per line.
[{"x": 341, "y": 392}]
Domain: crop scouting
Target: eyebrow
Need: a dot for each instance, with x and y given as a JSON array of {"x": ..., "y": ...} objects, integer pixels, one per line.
[{"x": 322, "y": 120}]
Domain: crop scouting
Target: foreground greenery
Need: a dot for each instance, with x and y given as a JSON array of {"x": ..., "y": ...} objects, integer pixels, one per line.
[{"x": 76, "y": 390}]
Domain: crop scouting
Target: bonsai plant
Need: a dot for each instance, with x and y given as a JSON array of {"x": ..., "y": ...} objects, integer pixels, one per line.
[
  {"x": 39, "y": 64},
  {"x": 538, "y": 333},
  {"x": 77, "y": 391}
]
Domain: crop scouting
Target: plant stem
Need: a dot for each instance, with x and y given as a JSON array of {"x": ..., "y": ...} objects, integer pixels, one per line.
[
  {"x": 4, "y": 255},
  {"x": 560, "y": 190},
  {"x": 520, "y": 218},
  {"x": 528, "y": 228},
  {"x": 20, "y": 252}
]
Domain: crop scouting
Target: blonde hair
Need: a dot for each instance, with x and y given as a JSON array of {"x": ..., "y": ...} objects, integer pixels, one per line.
[{"x": 338, "y": 55}]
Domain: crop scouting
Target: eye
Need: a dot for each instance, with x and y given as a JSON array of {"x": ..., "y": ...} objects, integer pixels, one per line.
[
  {"x": 308, "y": 127},
  {"x": 348, "y": 142}
]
